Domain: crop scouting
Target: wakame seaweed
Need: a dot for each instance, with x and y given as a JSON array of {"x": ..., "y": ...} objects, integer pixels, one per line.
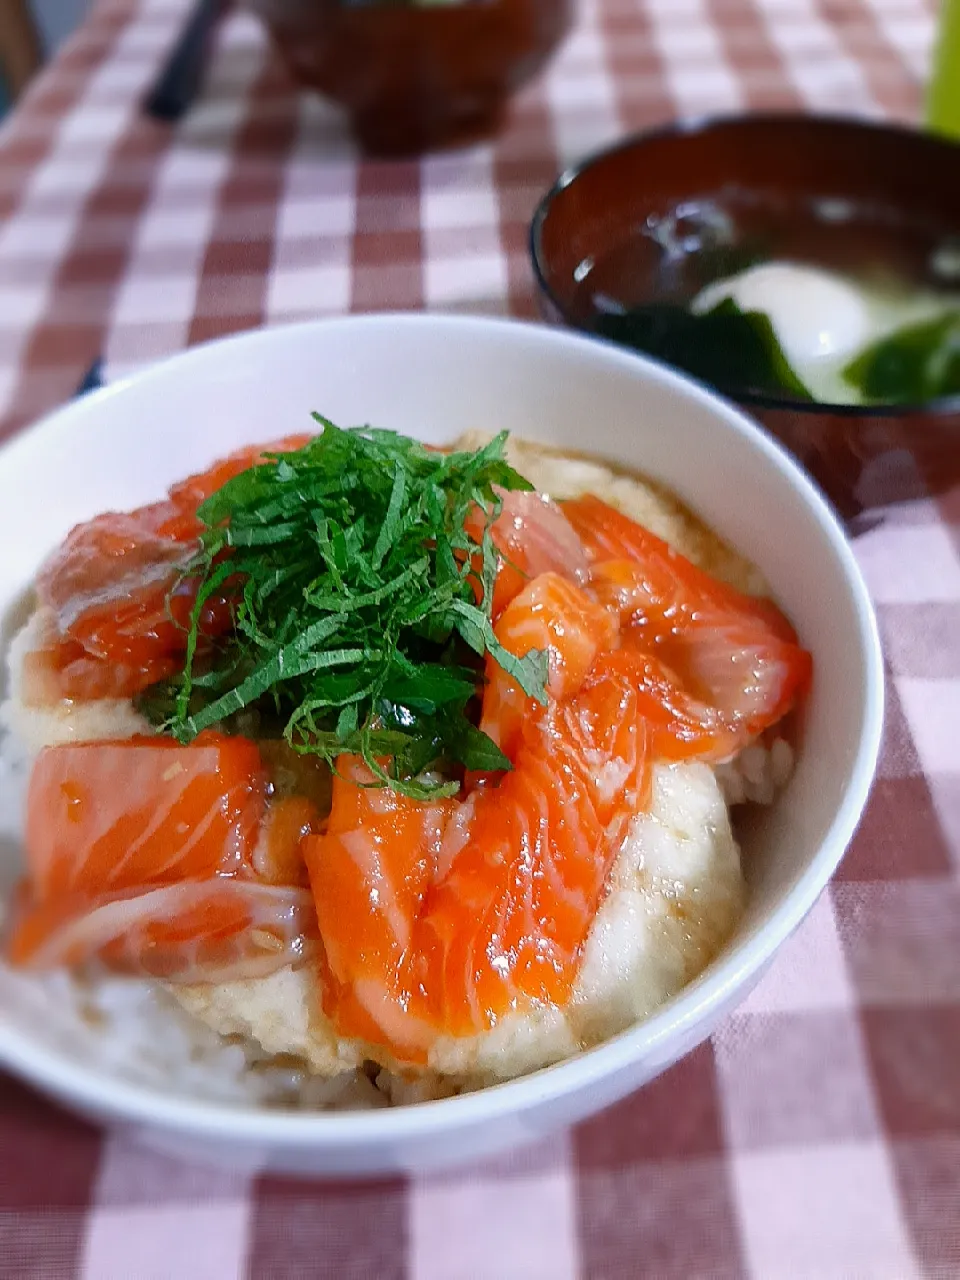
[
  {"x": 917, "y": 363},
  {"x": 728, "y": 348}
]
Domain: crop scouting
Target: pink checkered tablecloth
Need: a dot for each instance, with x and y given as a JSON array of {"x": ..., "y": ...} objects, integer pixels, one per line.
[{"x": 818, "y": 1134}]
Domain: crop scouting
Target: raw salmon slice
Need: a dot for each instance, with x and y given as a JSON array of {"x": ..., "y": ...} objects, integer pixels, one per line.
[
  {"x": 552, "y": 613},
  {"x": 190, "y": 493},
  {"x": 155, "y": 859},
  {"x": 116, "y": 590},
  {"x": 108, "y": 559},
  {"x": 217, "y": 930},
  {"x": 533, "y": 537},
  {"x": 369, "y": 872},
  {"x": 278, "y": 855},
  {"x": 441, "y": 918},
  {"x": 109, "y": 816},
  {"x": 118, "y": 649},
  {"x": 121, "y": 606},
  {"x": 505, "y": 926},
  {"x": 725, "y": 665},
  {"x": 672, "y": 591}
]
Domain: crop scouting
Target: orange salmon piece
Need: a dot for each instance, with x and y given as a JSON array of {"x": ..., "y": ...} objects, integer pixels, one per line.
[
  {"x": 680, "y": 726},
  {"x": 550, "y": 613},
  {"x": 118, "y": 649},
  {"x": 188, "y": 495},
  {"x": 278, "y": 856},
  {"x": 114, "y": 585},
  {"x": 108, "y": 816},
  {"x": 672, "y": 589},
  {"x": 507, "y": 923},
  {"x": 369, "y": 872},
  {"x": 727, "y": 665},
  {"x": 532, "y": 536},
  {"x": 121, "y": 614},
  {"x": 442, "y": 917},
  {"x": 108, "y": 558},
  {"x": 217, "y": 930}
]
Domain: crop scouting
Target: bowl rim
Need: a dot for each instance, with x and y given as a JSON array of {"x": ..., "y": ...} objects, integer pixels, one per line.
[
  {"x": 90, "y": 1088},
  {"x": 942, "y": 406}
]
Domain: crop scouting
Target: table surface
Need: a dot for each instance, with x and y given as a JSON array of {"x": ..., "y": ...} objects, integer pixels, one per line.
[{"x": 818, "y": 1134}]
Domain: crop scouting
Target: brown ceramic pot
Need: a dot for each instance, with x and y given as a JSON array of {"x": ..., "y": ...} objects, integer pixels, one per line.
[
  {"x": 414, "y": 77},
  {"x": 840, "y": 193}
]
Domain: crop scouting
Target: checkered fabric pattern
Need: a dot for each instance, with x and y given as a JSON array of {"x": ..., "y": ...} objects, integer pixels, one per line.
[{"x": 818, "y": 1134}]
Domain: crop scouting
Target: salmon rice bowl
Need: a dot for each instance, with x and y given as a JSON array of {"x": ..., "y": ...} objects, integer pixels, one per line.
[{"x": 357, "y": 772}]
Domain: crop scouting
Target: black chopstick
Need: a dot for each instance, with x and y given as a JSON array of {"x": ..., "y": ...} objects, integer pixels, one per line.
[
  {"x": 92, "y": 379},
  {"x": 179, "y": 82}
]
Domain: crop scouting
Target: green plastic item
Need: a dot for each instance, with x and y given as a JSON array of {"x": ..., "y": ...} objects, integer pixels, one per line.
[{"x": 943, "y": 90}]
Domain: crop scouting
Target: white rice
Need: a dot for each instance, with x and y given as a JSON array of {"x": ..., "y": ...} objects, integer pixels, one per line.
[
  {"x": 757, "y": 774},
  {"x": 675, "y": 895}
]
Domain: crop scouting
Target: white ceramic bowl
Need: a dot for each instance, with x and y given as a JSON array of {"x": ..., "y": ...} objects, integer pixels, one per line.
[{"x": 434, "y": 377}]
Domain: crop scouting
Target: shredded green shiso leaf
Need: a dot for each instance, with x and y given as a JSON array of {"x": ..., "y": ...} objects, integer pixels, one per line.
[{"x": 362, "y": 606}]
